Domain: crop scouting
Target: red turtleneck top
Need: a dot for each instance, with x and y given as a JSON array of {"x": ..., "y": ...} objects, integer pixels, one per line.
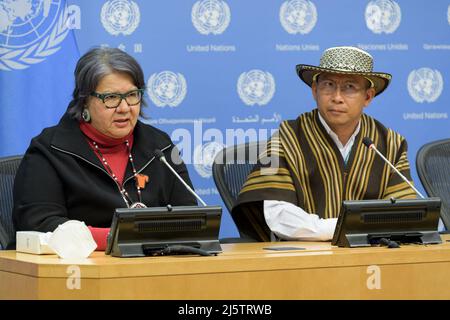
[{"x": 115, "y": 152}]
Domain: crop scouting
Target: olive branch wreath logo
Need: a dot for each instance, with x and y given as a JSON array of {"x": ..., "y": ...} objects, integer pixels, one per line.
[{"x": 13, "y": 59}]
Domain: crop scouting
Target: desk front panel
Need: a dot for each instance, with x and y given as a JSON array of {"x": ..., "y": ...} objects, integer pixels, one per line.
[{"x": 242, "y": 271}]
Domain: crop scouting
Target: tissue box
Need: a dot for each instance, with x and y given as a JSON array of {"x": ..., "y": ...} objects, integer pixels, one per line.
[{"x": 32, "y": 242}]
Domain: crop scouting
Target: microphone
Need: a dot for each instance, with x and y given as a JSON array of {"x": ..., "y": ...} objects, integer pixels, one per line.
[
  {"x": 158, "y": 153},
  {"x": 369, "y": 144}
]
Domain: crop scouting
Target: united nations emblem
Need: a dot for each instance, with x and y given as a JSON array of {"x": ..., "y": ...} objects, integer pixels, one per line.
[
  {"x": 120, "y": 17},
  {"x": 383, "y": 16},
  {"x": 167, "y": 88},
  {"x": 204, "y": 155},
  {"x": 256, "y": 87},
  {"x": 210, "y": 16},
  {"x": 425, "y": 85},
  {"x": 298, "y": 16},
  {"x": 30, "y": 31}
]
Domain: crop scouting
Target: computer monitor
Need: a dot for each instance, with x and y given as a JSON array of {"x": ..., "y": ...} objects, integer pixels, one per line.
[
  {"x": 142, "y": 232},
  {"x": 363, "y": 223}
]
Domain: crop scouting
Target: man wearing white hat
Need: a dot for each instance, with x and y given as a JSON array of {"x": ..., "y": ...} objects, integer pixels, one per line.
[{"x": 322, "y": 160}]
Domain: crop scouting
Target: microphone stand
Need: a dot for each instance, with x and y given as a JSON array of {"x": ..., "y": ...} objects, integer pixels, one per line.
[
  {"x": 369, "y": 144},
  {"x": 162, "y": 158}
]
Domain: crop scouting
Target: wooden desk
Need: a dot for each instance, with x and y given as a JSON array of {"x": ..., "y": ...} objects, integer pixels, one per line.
[{"x": 242, "y": 271}]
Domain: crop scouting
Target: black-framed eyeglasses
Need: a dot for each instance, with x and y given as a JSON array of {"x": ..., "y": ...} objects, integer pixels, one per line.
[
  {"x": 113, "y": 100},
  {"x": 348, "y": 89}
]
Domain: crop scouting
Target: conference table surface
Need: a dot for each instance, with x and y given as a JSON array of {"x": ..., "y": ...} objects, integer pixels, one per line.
[{"x": 302, "y": 270}]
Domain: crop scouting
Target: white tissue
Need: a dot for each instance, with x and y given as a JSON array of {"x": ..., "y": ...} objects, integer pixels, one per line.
[{"x": 72, "y": 240}]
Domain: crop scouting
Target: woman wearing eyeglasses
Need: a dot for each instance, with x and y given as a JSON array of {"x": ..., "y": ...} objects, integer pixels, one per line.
[{"x": 100, "y": 156}]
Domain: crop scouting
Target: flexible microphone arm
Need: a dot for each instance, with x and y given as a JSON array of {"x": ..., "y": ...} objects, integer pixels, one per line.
[
  {"x": 162, "y": 158},
  {"x": 369, "y": 144}
]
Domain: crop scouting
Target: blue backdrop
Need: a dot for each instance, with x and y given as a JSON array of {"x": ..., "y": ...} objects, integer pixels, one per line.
[{"x": 221, "y": 72}]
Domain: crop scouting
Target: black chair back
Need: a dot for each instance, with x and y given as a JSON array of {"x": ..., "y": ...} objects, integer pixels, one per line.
[
  {"x": 230, "y": 169},
  {"x": 8, "y": 168},
  {"x": 433, "y": 167}
]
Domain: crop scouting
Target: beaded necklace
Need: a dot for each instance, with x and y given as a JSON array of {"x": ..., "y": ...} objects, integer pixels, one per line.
[{"x": 126, "y": 197}]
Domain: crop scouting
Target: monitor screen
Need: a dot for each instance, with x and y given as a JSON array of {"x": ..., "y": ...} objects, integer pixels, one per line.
[
  {"x": 147, "y": 231},
  {"x": 365, "y": 222}
]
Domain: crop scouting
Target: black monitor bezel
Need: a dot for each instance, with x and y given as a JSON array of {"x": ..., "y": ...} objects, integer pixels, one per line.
[
  {"x": 211, "y": 214},
  {"x": 353, "y": 214}
]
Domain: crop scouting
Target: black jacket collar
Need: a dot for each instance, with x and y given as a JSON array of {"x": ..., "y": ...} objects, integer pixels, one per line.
[{"x": 69, "y": 138}]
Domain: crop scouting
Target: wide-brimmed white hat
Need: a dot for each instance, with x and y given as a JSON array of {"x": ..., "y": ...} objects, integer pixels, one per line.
[{"x": 346, "y": 60}]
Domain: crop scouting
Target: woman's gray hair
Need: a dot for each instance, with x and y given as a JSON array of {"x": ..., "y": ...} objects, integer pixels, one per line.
[{"x": 93, "y": 66}]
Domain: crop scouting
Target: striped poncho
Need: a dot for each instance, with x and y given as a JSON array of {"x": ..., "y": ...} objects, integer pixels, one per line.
[{"x": 310, "y": 172}]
